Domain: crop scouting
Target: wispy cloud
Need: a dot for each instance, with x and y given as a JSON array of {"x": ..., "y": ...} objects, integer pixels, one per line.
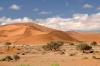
[
  {"x": 87, "y": 5},
  {"x": 45, "y": 13},
  {"x": 35, "y": 9},
  {"x": 98, "y": 8},
  {"x": 15, "y": 7},
  {"x": 1, "y": 8},
  {"x": 66, "y": 4}
]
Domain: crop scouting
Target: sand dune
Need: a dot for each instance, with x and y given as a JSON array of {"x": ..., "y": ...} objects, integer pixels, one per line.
[
  {"x": 31, "y": 33},
  {"x": 85, "y": 36}
]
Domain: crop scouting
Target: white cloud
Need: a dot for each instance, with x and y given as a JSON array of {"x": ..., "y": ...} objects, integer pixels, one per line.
[
  {"x": 98, "y": 8},
  {"x": 1, "y": 8},
  {"x": 87, "y": 5},
  {"x": 15, "y": 7},
  {"x": 45, "y": 13},
  {"x": 79, "y": 22},
  {"x": 66, "y": 4},
  {"x": 36, "y": 9},
  {"x": 5, "y": 20}
]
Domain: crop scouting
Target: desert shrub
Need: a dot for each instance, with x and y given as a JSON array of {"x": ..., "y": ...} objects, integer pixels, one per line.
[
  {"x": 16, "y": 57},
  {"x": 2, "y": 59},
  {"x": 72, "y": 54},
  {"x": 18, "y": 53},
  {"x": 53, "y": 46},
  {"x": 7, "y": 58},
  {"x": 93, "y": 43},
  {"x": 18, "y": 49},
  {"x": 10, "y": 58},
  {"x": 43, "y": 52},
  {"x": 61, "y": 52},
  {"x": 23, "y": 65},
  {"x": 71, "y": 43},
  {"x": 54, "y": 64},
  {"x": 85, "y": 57},
  {"x": 96, "y": 52},
  {"x": 94, "y": 57},
  {"x": 7, "y": 44},
  {"x": 83, "y": 47}
]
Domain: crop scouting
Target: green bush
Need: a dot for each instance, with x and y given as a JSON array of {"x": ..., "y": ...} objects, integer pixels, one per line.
[
  {"x": 53, "y": 46},
  {"x": 54, "y": 65},
  {"x": 84, "y": 47}
]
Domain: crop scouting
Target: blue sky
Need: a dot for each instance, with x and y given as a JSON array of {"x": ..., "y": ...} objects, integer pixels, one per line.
[{"x": 47, "y": 8}]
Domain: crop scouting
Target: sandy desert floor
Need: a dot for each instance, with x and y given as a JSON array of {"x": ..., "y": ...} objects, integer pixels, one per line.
[
  {"x": 35, "y": 56},
  {"x": 48, "y": 60}
]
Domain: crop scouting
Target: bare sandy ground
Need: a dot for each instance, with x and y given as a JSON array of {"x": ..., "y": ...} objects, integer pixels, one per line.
[{"x": 48, "y": 60}]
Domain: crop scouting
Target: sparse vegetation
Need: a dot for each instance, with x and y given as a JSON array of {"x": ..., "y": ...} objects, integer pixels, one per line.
[
  {"x": 7, "y": 44},
  {"x": 93, "y": 43},
  {"x": 72, "y": 54},
  {"x": 84, "y": 47},
  {"x": 7, "y": 58},
  {"x": 94, "y": 57},
  {"x": 54, "y": 64},
  {"x": 61, "y": 52},
  {"x": 16, "y": 57},
  {"x": 10, "y": 58},
  {"x": 85, "y": 57},
  {"x": 71, "y": 43},
  {"x": 53, "y": 46}
]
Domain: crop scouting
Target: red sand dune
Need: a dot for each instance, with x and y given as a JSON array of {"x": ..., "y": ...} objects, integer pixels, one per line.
[{"x": 29, "y": 33}]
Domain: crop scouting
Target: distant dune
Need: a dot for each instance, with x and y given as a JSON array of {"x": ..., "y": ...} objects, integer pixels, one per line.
[{"x": 85, "y": 36}]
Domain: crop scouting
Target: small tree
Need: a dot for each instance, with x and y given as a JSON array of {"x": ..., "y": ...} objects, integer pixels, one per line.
[
  {"x": 93, "y": 43},
  {"x": 84, "y": 47},
  {"x": 8, "y": 45},
  {"x": 53, "y": 46}
]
